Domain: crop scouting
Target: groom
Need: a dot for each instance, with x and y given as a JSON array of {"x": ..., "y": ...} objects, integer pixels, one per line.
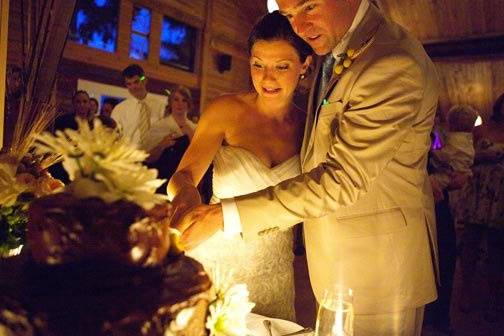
[{"x": 364, "y": 195}]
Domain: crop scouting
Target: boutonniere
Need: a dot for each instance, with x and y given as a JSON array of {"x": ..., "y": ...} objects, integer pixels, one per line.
[{"x": 347, "y": 58}]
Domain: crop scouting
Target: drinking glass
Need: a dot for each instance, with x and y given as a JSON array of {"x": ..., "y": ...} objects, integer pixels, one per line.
[{"x": 335, "y": 314}]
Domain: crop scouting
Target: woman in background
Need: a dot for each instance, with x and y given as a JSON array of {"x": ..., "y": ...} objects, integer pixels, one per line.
[
  {"x": 93, "y": 107},
  {"x": 170, "y": 137}
]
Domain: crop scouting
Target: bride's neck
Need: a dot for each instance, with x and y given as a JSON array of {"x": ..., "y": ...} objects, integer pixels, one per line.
[{"x": 273, "y": 108}]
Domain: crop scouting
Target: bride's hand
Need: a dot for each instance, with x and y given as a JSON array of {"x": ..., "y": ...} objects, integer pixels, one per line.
[
  {"x": 185, "y": 200},
  {"x": 199, "y": 224}
]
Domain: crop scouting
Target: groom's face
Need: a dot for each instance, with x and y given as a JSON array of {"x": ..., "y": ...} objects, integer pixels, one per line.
[{"x": 321, "y": 23}]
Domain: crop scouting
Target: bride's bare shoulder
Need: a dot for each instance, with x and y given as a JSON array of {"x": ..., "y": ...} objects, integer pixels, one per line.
[{"x": 228, "y": 104}]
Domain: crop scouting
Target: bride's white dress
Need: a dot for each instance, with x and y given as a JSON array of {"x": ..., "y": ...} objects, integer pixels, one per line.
[{"x": 265, "y": 263}]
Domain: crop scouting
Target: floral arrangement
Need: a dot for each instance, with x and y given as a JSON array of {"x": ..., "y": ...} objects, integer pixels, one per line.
[
  {"x": 102, "y": 163},
  {"x": 23, "y": 177},
  {"x": 13, "y": 221},
  {"x": 228, "y": 309},
  {"x": 19, "y": 184}
]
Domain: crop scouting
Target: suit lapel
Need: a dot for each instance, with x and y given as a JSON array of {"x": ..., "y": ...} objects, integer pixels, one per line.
[
  {"x": 360, "y": 40},
  {"x": 310, "y": 115}
]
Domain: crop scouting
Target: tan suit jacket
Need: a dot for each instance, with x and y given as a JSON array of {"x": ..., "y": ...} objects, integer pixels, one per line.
[{"x": 364, "y": 195}]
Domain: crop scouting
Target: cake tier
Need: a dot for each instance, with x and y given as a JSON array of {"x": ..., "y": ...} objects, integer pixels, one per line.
[
  {"x": 65, "y": 229},
  {"x": 97, "y": 298}
]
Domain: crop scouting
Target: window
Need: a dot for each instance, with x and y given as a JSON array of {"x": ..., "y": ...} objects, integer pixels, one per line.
[
  {"x": 178, "y": 44},
  {"x": 95, "y": 24},
  {"x": 140, "y": 30}
]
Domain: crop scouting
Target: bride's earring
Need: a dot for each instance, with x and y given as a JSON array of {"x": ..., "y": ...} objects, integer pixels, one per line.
[{"x": 302, "y": 77}]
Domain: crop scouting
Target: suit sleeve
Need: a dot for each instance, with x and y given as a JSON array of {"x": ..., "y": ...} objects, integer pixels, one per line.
[{"x": 383, "y": 104}]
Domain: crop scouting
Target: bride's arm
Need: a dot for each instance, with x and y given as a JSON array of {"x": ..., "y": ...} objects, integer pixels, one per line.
[{"x": 205, "y": 143}]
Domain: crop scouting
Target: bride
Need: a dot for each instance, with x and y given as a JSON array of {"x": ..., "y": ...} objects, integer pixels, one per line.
[{"x": 253, "y": 140}]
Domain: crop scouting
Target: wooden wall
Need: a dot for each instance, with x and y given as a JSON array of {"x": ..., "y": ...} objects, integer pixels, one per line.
[{"x": 476, "y": 80}]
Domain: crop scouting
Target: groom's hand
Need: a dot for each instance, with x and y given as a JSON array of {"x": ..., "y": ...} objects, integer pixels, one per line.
[{"x": 199, "y": 224}]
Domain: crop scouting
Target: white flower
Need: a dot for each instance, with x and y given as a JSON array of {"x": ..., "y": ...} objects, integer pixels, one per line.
[
  {"x": 230, "y": 307},
  {"x": 222, "y": 281},
  {"x": 10, "y": 188},
  {"x": 237, "y": 299},
  {"x": 225, "y": 320},
  {"x": 108, "y": 164}
]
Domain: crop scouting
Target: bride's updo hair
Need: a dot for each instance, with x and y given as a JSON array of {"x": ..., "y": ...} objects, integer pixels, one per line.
[{"x": 275, "y": 27}]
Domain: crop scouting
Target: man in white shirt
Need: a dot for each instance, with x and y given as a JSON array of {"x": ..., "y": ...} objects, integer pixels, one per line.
[
  {"x": 137, "y": 114},
  {"x": 364, "y": 194}
]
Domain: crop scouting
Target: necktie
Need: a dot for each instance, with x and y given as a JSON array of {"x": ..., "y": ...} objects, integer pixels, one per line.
[
  {"x": 143, "y": 120},
  {"x": 325, "y": 76}
]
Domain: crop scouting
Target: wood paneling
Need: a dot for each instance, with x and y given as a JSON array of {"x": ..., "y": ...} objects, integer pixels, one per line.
[
  {"x": 447, "y": 19},
  {"x": 477, "y": 83},
  {"x": 476, "y": 78},
  {"x": 194, "y": 7},
  {"x": 4, "y": 25},
  {"x": 120, "y": 59},
  {"x": 231, "y": 23}
]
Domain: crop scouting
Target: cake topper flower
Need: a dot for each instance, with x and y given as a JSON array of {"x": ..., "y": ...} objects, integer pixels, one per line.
[
  {"x": 229, "y": 308},
  {"x": 102, "y": 163}
]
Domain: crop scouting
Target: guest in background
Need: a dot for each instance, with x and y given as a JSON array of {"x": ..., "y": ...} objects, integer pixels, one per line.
[
  {"x": 457, "y": 152},
  {"x": 449, "y": 169},
  {"x": 171, "y": 136},
  {"x": 175, "y": 123},
  {"x": 93, "y": 107},
  {"x": 137, "y": 114},
  {"x": 107, "y": 107},
  {"x": 484, "y": 212},
  {"x": 82, "y": 110}
]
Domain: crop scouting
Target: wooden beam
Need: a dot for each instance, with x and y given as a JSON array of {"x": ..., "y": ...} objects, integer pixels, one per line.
[
  {"x": 486, "y": 46},
  {"x": 4, "y": 27}
]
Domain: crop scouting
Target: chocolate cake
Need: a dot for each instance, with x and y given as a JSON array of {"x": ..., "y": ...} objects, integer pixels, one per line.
[{"x": 92, "y": 268}]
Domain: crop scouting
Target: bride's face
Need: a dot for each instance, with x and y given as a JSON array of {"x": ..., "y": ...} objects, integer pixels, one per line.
[{"x": 275, "y": 68}]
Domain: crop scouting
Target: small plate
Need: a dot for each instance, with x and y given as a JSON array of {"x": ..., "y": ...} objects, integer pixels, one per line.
[{"x": 279, "y": 327}]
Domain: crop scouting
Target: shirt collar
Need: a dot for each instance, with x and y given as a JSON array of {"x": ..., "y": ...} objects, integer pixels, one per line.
[
  {"x": 359, "y": 16},
  {"x": 138, "y": 101}
]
